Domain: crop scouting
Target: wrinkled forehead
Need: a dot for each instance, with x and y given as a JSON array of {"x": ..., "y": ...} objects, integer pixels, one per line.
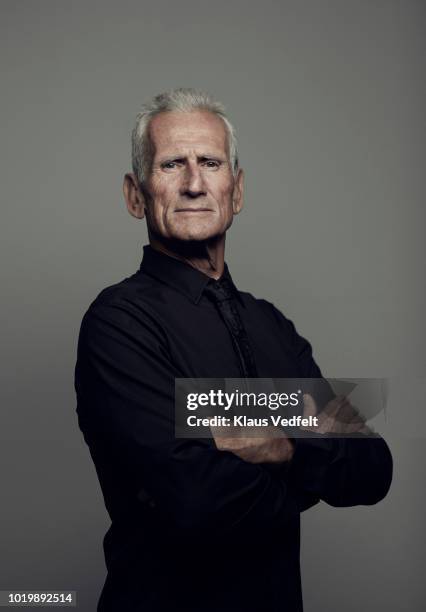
[{"x": 179, "y": 132}]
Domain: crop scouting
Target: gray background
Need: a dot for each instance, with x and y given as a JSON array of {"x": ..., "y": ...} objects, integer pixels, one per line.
[{"x": 328, "y": 100}]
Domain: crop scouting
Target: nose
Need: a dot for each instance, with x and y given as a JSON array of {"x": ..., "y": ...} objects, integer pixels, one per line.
[{"x": 193, "y": 185}]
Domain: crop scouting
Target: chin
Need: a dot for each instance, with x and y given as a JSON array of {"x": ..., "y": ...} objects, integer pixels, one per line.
[
  {"x": 197, "y": 234},
  {"x": 194, "y": 236}
]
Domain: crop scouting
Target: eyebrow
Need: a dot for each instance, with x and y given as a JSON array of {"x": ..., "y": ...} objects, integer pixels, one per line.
[{"x": 181, "y": 158}]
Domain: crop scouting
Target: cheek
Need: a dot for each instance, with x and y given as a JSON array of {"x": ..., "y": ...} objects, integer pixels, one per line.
[
  {"x": 222, "y": 191},
  {"x": 161, "y": 200},
  {"x": 160, "y": 186},
  {"x": 225, "y": 200}
]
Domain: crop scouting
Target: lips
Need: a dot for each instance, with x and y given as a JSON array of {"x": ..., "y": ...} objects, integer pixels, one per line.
[{"x": 193, "y": 210}]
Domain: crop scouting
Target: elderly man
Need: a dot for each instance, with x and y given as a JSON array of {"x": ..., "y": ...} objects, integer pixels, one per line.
[{"x": 199, "y": 525}]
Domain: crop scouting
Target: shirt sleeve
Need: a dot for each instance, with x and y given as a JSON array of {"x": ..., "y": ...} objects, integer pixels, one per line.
[
  {"x": 124, "y": 380},
  {"x": 341, "y": 471}
]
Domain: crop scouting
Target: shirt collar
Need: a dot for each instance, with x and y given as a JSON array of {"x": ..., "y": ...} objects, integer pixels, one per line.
[{"x": 178, "y": 274}]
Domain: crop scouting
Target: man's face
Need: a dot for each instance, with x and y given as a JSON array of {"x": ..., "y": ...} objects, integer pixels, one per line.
[{"x": 192, "y": 192}]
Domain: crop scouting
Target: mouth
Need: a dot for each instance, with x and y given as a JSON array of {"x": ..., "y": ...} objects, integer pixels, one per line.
[{"x": 193, "y": 210}]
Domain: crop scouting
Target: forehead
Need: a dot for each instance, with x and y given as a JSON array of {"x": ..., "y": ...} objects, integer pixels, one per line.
[{"x": 175, "y": 131}]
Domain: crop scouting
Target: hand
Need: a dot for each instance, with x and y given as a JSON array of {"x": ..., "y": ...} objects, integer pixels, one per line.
[
  {"x": 338, "y": 416},
  {"x": 265, "y": 448}
]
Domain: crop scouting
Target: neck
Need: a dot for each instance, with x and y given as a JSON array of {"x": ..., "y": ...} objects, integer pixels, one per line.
[{"x": 206, "y": 256}]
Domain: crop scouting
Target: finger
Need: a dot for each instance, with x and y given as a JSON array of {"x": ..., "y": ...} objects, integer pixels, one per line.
[
  {"x": 334, "y": 406},
  {"x": 345, "y": 413},
  {"x": 349, "y": 414},
  {"x": 337, "y": 401},
  {"x": 309, "y": 405}
]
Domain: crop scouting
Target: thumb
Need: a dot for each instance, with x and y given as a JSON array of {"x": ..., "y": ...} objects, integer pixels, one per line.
[{"x": 310, "y": 407}]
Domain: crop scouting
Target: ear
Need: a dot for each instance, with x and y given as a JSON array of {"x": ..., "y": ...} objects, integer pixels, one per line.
[
  {"x": 238, "y": 193},
  {"x": 135, "y": 200}
]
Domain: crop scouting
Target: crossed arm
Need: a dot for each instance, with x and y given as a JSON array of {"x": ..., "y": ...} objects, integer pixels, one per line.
[{"x": 125, "y": 390}]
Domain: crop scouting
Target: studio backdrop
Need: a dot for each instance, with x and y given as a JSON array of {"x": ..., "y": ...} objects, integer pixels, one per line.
[{"x": 328, "y": 102}]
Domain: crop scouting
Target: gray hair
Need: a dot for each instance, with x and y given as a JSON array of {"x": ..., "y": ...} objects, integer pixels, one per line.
[{"x": 183, "y": 100}]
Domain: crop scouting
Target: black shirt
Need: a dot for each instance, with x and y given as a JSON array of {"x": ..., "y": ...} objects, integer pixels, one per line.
[{"x": 194, "y": 528}]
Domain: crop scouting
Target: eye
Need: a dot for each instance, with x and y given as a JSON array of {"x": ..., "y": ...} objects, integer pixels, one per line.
[
  {"x": 169, "y": 165},
  {"x": 212, "y": 163}
]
